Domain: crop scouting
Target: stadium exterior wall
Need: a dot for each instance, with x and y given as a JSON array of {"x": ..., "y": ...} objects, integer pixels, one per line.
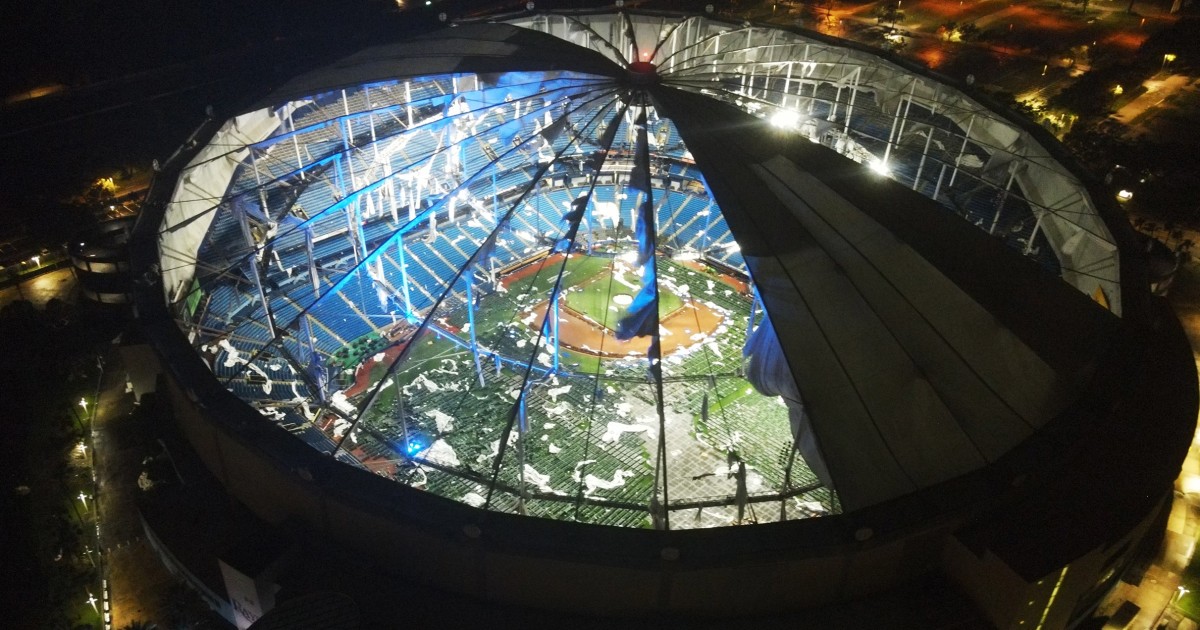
[
  {"x": 645, "y": 571},
  {"x": 1005, "y": 596},
  {"x": 516, "y": 560},
  {"x": 180, "y": 570},
  {"x": 481, "y": 554},
  {"x": 457, "y": 552}
]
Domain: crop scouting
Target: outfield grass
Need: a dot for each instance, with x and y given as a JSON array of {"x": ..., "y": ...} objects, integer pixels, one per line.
[
  {"x": 594, "y": 297},
  {"x": 590, "y": 286},
  {"x": 755, "y": 426},
  {"x": 744, "y": 389}
]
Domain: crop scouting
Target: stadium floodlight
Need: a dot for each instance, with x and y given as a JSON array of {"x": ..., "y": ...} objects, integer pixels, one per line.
[
  {"x": 785, "y": 119},
  {"x": 598, "y": 287}
]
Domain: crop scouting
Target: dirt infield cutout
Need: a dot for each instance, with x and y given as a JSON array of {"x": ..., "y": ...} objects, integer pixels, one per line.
[{"x": 581, "y": 334}]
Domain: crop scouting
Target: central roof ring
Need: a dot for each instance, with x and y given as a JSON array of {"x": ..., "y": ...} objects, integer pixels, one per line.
[{"x": 641, "y": 74}]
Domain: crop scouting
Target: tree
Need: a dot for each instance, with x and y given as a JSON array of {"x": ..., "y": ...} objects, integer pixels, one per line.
[
  {"x": 1181, "y": 39},
  {"x": 954, "y": 31},
  {"x": 816, "y": 11},
  {"x": 968, "y": 32},
  {"x": 889, "y": 12},
  {"x": 887, "y": 40},
  {"x": 1094, "y": 92}
]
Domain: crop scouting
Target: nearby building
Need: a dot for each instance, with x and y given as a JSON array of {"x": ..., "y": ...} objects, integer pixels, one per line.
[
  {"x": 100, "y": 260},
  {"x": 538, "y": 309}
]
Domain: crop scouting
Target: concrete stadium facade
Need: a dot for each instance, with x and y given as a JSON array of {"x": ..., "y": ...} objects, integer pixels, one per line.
[{"x": 1034, "y": 530}]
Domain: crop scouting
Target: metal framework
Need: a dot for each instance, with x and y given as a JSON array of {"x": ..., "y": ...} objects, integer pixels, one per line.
[{"x": 384, "y": 269}]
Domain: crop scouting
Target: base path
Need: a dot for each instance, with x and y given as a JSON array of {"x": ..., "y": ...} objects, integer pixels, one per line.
[{"x": 579, "y": 334}]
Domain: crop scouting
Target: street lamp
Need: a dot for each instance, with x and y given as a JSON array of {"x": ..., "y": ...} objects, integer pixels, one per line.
[
  {"x": 83, "y": 403},
  {"x": 1167, "y": 58},
  {"x": 37, "y": 261},
  {"x": 83, "y": 499},
  {"x": 92, "y": 600}
]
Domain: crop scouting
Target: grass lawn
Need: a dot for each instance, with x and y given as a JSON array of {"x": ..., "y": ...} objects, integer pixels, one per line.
[{"x": 1189, "y": 604}]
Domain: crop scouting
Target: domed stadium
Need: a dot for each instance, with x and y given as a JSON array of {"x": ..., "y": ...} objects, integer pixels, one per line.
[{"x": 519, "y": 278}]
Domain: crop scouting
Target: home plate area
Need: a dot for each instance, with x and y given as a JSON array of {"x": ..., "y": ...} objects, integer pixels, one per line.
[{"x": 589, "y": 312}]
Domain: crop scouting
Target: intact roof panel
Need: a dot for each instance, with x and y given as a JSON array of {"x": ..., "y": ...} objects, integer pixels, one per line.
[
  {"x": 887, "y": 370},
  {"x": 896, "y": 355},
  {"x": 976, "y": 367},
  {"x": 859, "y": 458}
]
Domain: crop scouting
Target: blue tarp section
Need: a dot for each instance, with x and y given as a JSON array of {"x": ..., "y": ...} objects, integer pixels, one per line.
[{"x": 642, "y": 316}]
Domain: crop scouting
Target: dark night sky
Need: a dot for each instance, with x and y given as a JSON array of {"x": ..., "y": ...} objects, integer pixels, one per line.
[
  {"x": 140, "y": 73},
  {"x": 81, "y": 41}
]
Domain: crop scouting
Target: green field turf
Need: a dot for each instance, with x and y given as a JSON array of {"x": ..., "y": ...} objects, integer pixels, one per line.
[
  {"x": 738, "y": 418},
  {"x": 589, "y": 276},
  {"x": 579, "y": 269},
  {"x": 594, "y": 297}
]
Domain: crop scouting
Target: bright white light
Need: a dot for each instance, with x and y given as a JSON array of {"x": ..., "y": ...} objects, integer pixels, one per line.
[
  {"x": 881, "y": 167},
  {"x": 83, "y": 403},
  {"x": 785, "y": 119},
  {"x": 1125, "y": 195},
  {"x": 629, "y": 257}
]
